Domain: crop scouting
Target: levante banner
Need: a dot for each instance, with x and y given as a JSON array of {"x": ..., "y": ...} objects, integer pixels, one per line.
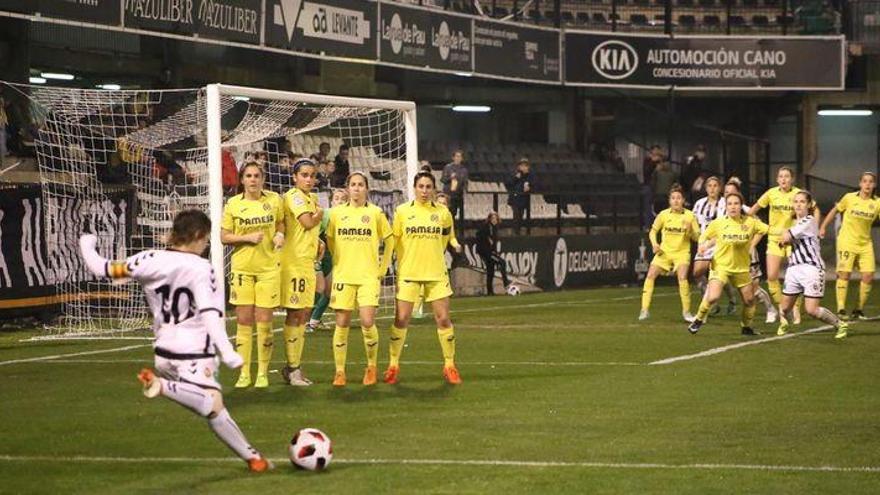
[
  {"x": 781, "y": 63},
  {"x": 343, "y": 28}
]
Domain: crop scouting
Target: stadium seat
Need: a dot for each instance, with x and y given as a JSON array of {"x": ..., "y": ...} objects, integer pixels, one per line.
[
  {"x": 567, "y": 17},
  {"x": 712, "y": 21},
  {"x": 583, "y": 17},
  {"x": 687, "y": 21},
  {"x": 737, "y": 21},
  {"x": 707, "y": 3},
  {"x": 760, "y": 21},
  {"x": 638, "y": 19}
]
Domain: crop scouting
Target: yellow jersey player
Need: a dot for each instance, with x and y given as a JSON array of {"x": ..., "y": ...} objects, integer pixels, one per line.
[
  {"x": 855, "y": 248},
  {"x": 302, "y": 220},
  {"x": 733, "y": 237},
  {"x": 422, "y": 229},
  {"x": 678, "y": 227},
  {"x": 354, "y": 233},
  {"x": 253, "y": 224},
  {"x": 779, "y": 200}
]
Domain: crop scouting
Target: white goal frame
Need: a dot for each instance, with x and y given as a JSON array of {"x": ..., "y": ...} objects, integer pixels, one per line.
[{"x": 213, "y": 94}]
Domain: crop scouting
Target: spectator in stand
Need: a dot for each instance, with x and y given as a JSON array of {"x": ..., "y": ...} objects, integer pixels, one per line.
[
  {"x": 652, "y": 159},
  {"x": 615, "y": 161},
  {"x": 662, "y": 181},
  {"x": 425, "y": 166},
  {"x": 693, "y": 175},
  {"x": 341, "y": 168},
  {"x": 323, "y": 153},
  {"x": 487, "y": 241},
  {"x": 519, "y": 188},
  {"x": 325, "y": 172},
  {"x": 455, "y": 181},
  {"x": 230, "y": 171}
]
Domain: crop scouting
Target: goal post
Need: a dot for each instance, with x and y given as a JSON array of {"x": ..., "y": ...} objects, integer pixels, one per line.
[
  {"x": 121, "y": 163},
  {"x": 214, "y": 93}
]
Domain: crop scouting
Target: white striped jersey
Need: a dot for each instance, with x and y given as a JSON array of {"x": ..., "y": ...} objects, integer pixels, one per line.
[
  {"x": 805, "y": 243},
  {"x": 706, "y": 211},
  {"x": 179, "y": 288}
]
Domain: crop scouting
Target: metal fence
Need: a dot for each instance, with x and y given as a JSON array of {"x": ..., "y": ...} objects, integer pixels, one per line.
[{"x": 669, "y": 16}]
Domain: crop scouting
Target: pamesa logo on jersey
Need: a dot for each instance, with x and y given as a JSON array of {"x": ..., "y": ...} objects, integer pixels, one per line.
[{"x": 614, "y": 59}]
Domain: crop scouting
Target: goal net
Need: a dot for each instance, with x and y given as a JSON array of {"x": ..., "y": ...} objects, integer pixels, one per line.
[{"x": 121, "y": 164}]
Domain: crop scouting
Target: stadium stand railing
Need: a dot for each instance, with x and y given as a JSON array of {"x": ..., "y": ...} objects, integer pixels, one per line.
[{"x": 681, "y": 16}]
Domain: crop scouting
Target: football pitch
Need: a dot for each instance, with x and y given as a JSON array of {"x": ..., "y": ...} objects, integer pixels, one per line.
[{"x": 563, "y": 393}]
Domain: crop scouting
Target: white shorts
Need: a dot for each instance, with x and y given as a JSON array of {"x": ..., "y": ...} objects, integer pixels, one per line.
[
  {"x": 201, "y": 372},
  {"x": 707, "y": 256},
  {"x": 755, "y": 266},
  {"x": 804, "y": 279}
]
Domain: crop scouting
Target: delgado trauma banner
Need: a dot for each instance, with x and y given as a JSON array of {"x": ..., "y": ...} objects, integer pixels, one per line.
[
  {"x": 694, "y": 62},
  {"x": 561, "y": 262}
]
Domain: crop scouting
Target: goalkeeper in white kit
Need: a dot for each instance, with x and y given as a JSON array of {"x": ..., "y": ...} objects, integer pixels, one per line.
[{"x": 187, "y": 305}]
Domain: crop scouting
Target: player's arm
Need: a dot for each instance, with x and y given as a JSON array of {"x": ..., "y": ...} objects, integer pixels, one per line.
[
  {"x": 839, "y": 207},
  {"x": 100, "y": 266},
  {"x": 707, "y": 238},
  {"x": 300, "y": 209},
  {"x": 656, "y": 227},
  {"x": 762, "y": 203},
  {"x": 449, "y": 234},
  {"x": 227, "y": 237},
  {"x": 760, "y": 230},
  {"x": 280, "y": 226},
  {"x": 209, "y": 303},
  {"x": 695, "y": 230}
]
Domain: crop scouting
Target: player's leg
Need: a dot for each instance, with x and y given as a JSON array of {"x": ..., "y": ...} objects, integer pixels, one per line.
[
  {"x": 322, "y": 302},
  {"x": 299, "y": 308},
  {"x": 713, "y": 293},
  {"x": 774, "y": 267},
  {"x": 340, "y": 345},
  {"x": 407, "y": 294},
  {"x": 242, "y": 295},
  {"x": 845, "y": 263},
  {"x": 785, "y": 308},
  {"x": 244, "y": 331},
  {"x": 195, "y": 388},
  {"x": 743, "y": 282},
  {"x": 320, "y": 287},
  {"x": 684, "y": 291},
  {"x": 701, "y": 270},
  {"x": 866, "y": 268},
  {"x": 446, "y": 336},
  {"x": 368, "y": 301},
  {"x": 656, "y": 269},
  {"x": 343, "y": 297}
]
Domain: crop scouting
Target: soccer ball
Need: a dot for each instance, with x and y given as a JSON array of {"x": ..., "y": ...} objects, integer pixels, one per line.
[
  {"x": 310, "y": 449},
  {"x": 512, "y": 290}
]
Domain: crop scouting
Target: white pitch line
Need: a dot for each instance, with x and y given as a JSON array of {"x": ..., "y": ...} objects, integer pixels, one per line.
[
  {"x": 739, "y": 345},
  {"x": 60, "y": 356},
  {"x": 413, "y": 363},
  {"x": 461, "y": 462}
]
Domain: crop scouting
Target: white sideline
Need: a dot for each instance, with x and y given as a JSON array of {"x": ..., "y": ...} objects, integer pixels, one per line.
[
  {"x": 126, "y": 348},
  {"x": 725, "y": 348},
  {"x": 461, "y": 462},
  {"x": 408, "y": 363},
  {"x": 84, "y": 353}
]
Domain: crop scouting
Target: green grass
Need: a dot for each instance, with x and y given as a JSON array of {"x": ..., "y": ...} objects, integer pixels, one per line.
[{"x": 588, "y": 396}]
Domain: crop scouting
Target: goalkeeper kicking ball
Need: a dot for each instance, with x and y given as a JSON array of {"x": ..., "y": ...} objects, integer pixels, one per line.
[
  {"x": 512, "y": 290},
  {"x": 310, "y": 449}
]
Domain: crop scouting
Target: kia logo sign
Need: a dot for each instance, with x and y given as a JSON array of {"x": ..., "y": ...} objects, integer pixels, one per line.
[{"x": 615, "y": 59}]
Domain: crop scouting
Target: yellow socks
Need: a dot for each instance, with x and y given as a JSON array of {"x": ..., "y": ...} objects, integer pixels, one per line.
[
  {"x": 864, "y": 292},
  {"x": 264, "y": 348},
  {"x": 371, "y": 344},
  {"x": 775, "y": 290},
  {"x": 294, "y": 341},
  {"x": 340, "y": 347},
  {"x": 684, "y": 292},
  {"x": 647, "y": 294},
  {"x": 244, "y": 346},
  {"x": 748, "y": 315},
  {"x": 703, "y": 311},
  {"x": 841, "y": 286},
  {"x": 397, "y": 338},
  {"x": 447, "y": 344}
]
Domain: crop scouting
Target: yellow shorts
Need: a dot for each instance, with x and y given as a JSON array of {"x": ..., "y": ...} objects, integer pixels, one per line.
[
  {"x": 411, "y": 290},
  {"x": 773, "y": 248},
  {"x": 260, "y": 290},
  {"x": 668, "y": 262},
  {"x": 736, "y": 279},
  {"x": 298, "y": 286},
  {"x": 851, "y": 258},
  {"x": 347, "y": 297}
]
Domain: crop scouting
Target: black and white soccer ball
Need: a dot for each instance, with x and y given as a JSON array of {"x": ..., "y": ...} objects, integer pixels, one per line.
[
  {"x": 512, "y": 290},
  {"x": 310, "y": 449}
]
